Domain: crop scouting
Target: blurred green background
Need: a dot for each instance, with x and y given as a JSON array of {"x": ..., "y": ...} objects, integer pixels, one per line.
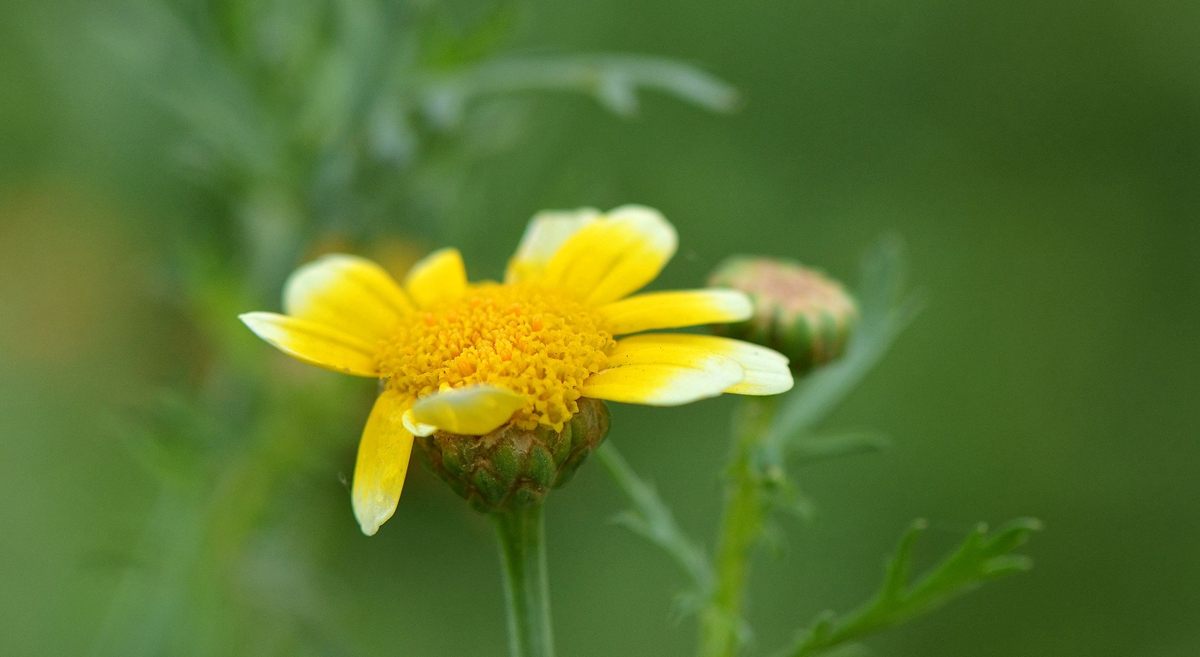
[{"x": 1041, "y": 160}]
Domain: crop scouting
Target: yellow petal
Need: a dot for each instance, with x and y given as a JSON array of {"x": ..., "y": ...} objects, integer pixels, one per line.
[
  {"x": 438, "y": 276},
  {"x": 659, "y": 310},
  {"x": 766, "y": 370},
  {"x": 688, "y": 379},
  {"x": 382, "y": 462},
  {"x": 471, "y": 411},
  {"x": 348, "y": 293},
  {"x": 313, "y": 343},
  {"x": 615, "y": 256},
  {"x": 416, "y": 428},
  {"x": 543, "y": 236}
]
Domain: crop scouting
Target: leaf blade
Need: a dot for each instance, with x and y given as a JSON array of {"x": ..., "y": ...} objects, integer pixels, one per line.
[{"x": 980, "y": 558}]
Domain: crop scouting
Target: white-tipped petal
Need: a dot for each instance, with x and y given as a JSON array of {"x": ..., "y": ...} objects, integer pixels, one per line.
[
  {"x": 698, "y": 376},
  {"x": 348, "y": 293},
  {"x": 416, "y": 428},
  {"x": 543, "y": 236},
  {"x": 766, "y": 370},
  {"x": 614, "y": 256},
  {"x": 471, "y": 410},
  {"x": 314, "y": 343}
]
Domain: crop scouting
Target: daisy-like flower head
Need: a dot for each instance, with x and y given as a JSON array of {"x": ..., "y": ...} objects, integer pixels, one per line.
[{"x": 468, "y": 359}]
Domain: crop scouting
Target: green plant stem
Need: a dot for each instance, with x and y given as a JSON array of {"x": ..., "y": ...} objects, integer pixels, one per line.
[
  {"x": 741, "y": 528},
  {"x": 526, "y": 583}
]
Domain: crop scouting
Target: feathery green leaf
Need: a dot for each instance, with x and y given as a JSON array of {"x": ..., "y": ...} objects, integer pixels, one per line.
[{"x": 978, "y": 559}]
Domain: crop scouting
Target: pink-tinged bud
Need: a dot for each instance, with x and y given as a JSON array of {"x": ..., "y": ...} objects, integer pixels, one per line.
[{"x": 798, "y": 311}]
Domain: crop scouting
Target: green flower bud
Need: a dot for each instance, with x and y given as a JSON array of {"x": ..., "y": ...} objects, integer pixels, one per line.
[
  {"x": 512, "y": 467},
  {"x": 798, "y": 311}
]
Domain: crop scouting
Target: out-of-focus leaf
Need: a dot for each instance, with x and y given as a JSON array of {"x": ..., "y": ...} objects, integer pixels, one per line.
[
  {"x": 822, "y": 448},
  {"x": 885, "y": 313},
  {"x": 170, "y": 438},
  {"x": 652, "y": 519},
  {"x": 347, "y": 77},
  {"x": 850, "y": 650},
  {"x": 445, "y": 46},
  {"x": 152, "y": 599},
  {"x": 783, "y": 494},
  {"x": 161, "y": 54},
  {"x": 613, "y": 80},
  {"x": 978, "y": 559}
]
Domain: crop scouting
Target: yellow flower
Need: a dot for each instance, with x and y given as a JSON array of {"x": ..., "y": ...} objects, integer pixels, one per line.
[{"x": 468, "y": 358}]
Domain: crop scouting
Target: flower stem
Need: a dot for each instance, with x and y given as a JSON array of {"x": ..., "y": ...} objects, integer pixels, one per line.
[
  {"x": 741, "y": 527},
  {"x": 526, "y": 583}
]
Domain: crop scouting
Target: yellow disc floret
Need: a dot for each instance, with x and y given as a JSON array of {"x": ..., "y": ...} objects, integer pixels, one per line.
[{"x": 539, "y": 342}]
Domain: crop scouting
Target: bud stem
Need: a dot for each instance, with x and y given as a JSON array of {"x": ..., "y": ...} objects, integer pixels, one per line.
[
  {"x": 521, "y": 534},
  {"x": 741, "y": 528}
]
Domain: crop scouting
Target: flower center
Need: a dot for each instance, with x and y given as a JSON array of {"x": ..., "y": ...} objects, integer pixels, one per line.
[{"x": 539, "y": 342}]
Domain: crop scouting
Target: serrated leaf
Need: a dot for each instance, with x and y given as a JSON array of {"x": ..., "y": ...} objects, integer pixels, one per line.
[
  {"x": 978, "y": 559},
  {"x": 899, "y": 568},
  {"x": 1013, "y": 535}
]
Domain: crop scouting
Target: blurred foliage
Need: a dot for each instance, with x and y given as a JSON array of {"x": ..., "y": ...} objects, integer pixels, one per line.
[
  {"x": 358, "y": 118},
  {"x": 979, "y": 559},
  {"x": 758, "y": 482},
  {"x": 1039, "y": 159},
  {"x": 312, "y": 125},
  {"x": 886, "y": 309},
  {"x": 653, "y": 520}
]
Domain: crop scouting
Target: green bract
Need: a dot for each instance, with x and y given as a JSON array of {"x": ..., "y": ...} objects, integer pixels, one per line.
[{"x": 513, "y": 468}]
